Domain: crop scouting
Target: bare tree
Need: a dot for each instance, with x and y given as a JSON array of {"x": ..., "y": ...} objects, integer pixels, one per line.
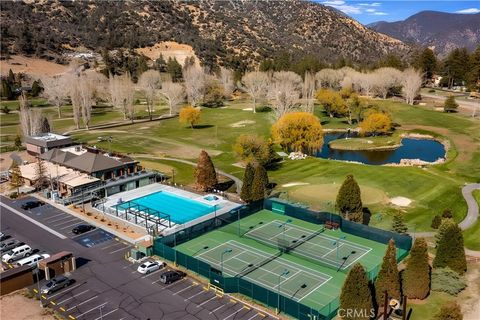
[
  {"x": 150, "y": 82},
  {"x": 308, "y": 91},
  {"x": 284, "y": 92},
  {"x": 195, "y": 83},
  {"x": 174, "y": 93},
  {"x": 24, "y": 114},
  {"x": 55, "y": 90},
  {"x": 255, "y": 83},
  {"x": 227, "y": 81},
  {"x": 86, "y": 91},
  {"x": 385, "y": 79},
  {"x": 121, "y": 93},
  {"x": 328, "y": 78},
  {"x": 411, "y": 84}
]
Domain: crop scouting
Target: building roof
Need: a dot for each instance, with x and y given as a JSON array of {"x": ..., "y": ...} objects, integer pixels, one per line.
[
  {"x": 29, "y": 171},
  {"x": 76, "y": 179},
  {"x": 93, "y": 162},
  {"x": 57, "y": 156},
  {"x": 48, "y": 140}
]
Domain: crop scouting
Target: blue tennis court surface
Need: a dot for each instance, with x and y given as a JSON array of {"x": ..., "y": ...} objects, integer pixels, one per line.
[{"x": 180, "y": 209}]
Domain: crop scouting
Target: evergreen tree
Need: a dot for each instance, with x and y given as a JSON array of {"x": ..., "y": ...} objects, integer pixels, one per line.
[
  {"x": 349, "y": 201},
  {"x": 388, "y": 278},
  {"x": 174, "y": 69},
  {"x": 260, "y": 181},
  {"x": 436, "y": 222},
  {"x": 161, "y": 64},
  {"x": 398, "y": 225},
  {"x": 416, "y": 277},
  {"x": 450, "y": 311},
  {"x": 18, "y": 141},
  {"x": 457, "y": 66},
  {"x": 205, "y": 174},
  {"x": 450, "y": 105},
  {"x": 426, "y": 62},
  {"x": 45, "y": 125},
  {"x": 450, "y": 250},
  {"x": 40, "y": 174},
  {"x": 16, "y": 179},
  {"x": 36, "y": 88},
  {"x": 447, "y": 214},
  {"x": 246, "y": 193},
  {"x": 7, "y": 91},
  {"x": 11, "y": 77},
  {"x": 356, "y": 294}
]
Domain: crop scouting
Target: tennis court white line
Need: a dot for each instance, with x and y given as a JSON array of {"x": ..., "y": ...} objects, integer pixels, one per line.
[
  {"x": 326, "y": 254},
  {"x": 358, "y": 258},
  {"x": 314, "y": 289},
  {"x": 280, "y": 259},
  {"x": 281, "y": 282}
]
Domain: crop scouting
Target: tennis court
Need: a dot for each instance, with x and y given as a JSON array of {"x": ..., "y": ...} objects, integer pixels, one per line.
[
  {"x": 334, "y": 252},
  {"x": 268, "y": 270}
]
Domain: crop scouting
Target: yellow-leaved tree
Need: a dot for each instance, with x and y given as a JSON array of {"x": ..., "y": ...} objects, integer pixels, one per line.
[
  {"x": 189, "y": 115},
  {"x": 376, "y": 123},
  {"x": 298, "y": 131},
  {"x": 332, "y": 102}
]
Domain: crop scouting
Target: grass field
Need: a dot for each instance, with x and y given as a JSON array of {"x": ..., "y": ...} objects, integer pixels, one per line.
[
  {"x": 432, "y": 189},
  {"x": 254, "y": 239},
  {"x": 472, "y": 234}
]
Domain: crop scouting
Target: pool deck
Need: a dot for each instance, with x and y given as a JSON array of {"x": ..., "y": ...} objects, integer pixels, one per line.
[{"x": 224, "y": 204}]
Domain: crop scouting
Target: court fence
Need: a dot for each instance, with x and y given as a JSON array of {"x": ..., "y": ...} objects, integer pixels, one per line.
[{"x": 164, "y": 247}]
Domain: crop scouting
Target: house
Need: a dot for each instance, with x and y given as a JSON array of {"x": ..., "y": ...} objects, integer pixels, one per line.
[{"x": 44, "y": 142}]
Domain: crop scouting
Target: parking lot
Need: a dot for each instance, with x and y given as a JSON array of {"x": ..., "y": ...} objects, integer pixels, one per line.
[{"x": 106, "y": 286}]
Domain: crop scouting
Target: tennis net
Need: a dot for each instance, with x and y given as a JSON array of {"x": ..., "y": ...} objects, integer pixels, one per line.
[
  {"x": 260, "y": 264},
  {"x": 296, "y": 243}
]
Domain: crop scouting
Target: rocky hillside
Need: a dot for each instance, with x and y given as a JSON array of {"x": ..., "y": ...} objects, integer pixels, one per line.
[
  {"x": 441, "y": 30},
  {"x": 218, "y": 31}
]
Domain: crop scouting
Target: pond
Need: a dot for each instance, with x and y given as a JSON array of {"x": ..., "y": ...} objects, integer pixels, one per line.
[{"x": 423, "y": 149}]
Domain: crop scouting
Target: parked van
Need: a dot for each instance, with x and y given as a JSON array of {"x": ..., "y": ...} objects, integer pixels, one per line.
[
  {"x": 32, "y": 260},
  {"x": 17, "y": 253}
]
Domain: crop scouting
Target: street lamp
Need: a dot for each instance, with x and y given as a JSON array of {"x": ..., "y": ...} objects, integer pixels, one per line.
[
  {"x": 221, "y": 258},
  {"x": 37, "y": 273},
  {"x": 284, "y": 273},
  {"x": 337, "y": 243}
]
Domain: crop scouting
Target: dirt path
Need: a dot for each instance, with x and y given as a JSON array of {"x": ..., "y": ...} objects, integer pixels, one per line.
[{"x": 15, "y": 306}]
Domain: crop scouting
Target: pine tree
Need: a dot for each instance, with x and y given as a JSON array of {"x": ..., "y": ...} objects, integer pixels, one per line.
[
  {"x": 349, "y": 201},
  {"x": 17, "y": 142},
  {"x": 356, "y": 294},
  {"x": 174, "y": 69},
  {"x": 416, "y": 277},
  {"x": 449, "y": 311},
  {"x": 260, "y": 181},
  {"x": 161, "y": 64},
  {"x": 40, "y": 174},
  {"x": 436, "y": 222},
  {"x": 447, "y": 213},
  {"x": 36, "y": 88},
  {"x": 450, "y": 250},
  {"x": 7, "y": 90},
  {"x": 398, "y": 225},
  {"x": 246, "y": 193},
  {"x": 450, "y": 105},
  {"x": 205, "y": 174},
  {"x": 388, "y": 278},
  {"x": 16, "y": 179}
]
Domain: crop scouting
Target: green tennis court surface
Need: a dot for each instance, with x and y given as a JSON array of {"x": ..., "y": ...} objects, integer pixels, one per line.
[
  {"x": 332, "y": 251},
  {"x": 309, "y": 262}
]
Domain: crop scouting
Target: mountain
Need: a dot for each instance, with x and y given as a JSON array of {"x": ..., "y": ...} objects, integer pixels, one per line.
[
  {"x": 229, "y": 32},
  {"x": 441, "y": 30}
]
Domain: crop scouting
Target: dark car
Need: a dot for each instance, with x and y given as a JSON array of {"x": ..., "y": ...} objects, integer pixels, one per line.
[
  {"x": 56, "y": 284},
  {"x": 9, "y": 244},
  {"x": 82, "y": 228},
  {"x": 4, "y": 236},
  {"x": 32, "y": 204},
  {"x": 171, "y": 276}
]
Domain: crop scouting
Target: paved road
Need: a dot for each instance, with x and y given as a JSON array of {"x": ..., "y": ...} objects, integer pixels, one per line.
[
  {"x": 469, "y": 105},
  {"x": 106, "y": 285}
]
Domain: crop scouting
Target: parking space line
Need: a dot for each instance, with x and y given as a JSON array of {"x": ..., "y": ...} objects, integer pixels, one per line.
[
  {"x": 78, "y": 294},
  {"x": 172, "y": 284},
  {"x": 112, "y": 245},
  {"x": 101, "y": 305},
  {"x": 54, "y": 216},
  {"x": 66, "y": 217},
  {"x": 63, "y": 222},
  {"x": 151, "y": 273},
  {"x": 194, "y": 295},
  {"x": 69, "y": 226},
  {"x": 112, "y": 252},
  {"x": 256, "y": 314},
  {"x": 233, "y": 314},
  {"x": 68, "y": 290},
  {"x": 106, "y": 314},
  {"x": 206, "y": 301},
  {"x": 215, "y": 310},
  {"x": 74, "y": 296},
  {"x": 82, "y": 303},
  {"x": 192, "y": 285}
]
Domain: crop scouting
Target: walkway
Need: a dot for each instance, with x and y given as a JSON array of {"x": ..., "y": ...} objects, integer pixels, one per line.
[{"x": 470, "y": 219}]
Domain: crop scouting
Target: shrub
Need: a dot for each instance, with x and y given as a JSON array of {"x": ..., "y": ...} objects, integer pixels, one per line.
[
  {"x": 436, "y": 222},
  {"x": 447, "y": 280},
  {"x": 376, "y": 123},
  {"x": 14, "y": 195},
  {"x": 450, "y": 105},
  {"x": 450, "y": 311},
  {"x": 254, "y": 148}
]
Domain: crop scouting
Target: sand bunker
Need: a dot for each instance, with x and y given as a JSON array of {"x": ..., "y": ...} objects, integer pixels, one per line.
[
  {"x": 401, "y": 201},
  {"x": 241, "y": 124}
]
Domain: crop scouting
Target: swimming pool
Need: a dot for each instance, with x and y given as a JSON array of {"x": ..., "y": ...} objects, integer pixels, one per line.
[{"x": 180, "y": 209}]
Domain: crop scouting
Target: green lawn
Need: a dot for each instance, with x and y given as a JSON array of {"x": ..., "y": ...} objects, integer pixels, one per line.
[
  {"x": 472, "y": 234},
  {"x": 432, "y": 189}
]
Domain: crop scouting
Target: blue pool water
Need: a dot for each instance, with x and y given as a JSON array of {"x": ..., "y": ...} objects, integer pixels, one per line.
[{"x": 180, "y": 209}]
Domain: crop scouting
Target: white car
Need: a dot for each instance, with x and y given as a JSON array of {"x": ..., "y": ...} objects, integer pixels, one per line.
[
  {"x": 150, "y": 266},
  {"x": 33, "y": 260}
]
